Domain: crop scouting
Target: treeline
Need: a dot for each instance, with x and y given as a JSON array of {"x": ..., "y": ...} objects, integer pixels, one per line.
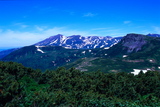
[{"x": 25, "y": 87}]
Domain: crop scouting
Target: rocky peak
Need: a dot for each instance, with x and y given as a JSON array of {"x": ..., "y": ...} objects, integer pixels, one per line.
[
  {"x": 133, "y": 42},
  {"x": 56, "y": 36}
]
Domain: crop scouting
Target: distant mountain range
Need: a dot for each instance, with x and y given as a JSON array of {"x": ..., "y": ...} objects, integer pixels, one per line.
[
  {"x": 82, "y": 42},
  {"x": 79, "y": 42},
  {"x": 153, "y": 35},
  {"x": 73, "y": 42},
  {"x": 133, "y": 51},
  {"x": 76, "y": 42}
]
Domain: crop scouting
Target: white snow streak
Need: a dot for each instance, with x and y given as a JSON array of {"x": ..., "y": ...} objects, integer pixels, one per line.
[
  {"x": 40, "y": 49},
  {"x": 106, "y": 47},
  {"x": 136, "y": 71}
]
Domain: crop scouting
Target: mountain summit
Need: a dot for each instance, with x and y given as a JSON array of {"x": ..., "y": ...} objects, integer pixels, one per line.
[
  {"x": 79, "y": 42},
  {"x": 133, "y": 42}
]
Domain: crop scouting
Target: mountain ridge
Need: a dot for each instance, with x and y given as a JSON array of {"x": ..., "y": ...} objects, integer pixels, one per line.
[{"x": 79, "y": 42}]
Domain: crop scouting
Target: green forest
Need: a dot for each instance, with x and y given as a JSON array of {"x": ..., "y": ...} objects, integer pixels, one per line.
[{"x": 25, "y": 87}]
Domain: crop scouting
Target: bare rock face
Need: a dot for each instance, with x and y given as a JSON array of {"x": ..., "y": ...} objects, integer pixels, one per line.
[{"x": 133, "y": 42}]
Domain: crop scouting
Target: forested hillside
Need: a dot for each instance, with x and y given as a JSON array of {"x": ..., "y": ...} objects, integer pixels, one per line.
[{"x": 24, "y": 87}]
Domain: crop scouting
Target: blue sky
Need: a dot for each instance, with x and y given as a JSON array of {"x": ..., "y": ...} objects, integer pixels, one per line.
[{"x": 25, "y": 22}]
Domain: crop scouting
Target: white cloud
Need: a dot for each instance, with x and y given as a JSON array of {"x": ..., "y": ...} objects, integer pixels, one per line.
[
  {"x": 157, "y": 29},
  {"x": 24, "y": 26},
  {"x": 127, "y": 22},
  {"x": 11, "y": 38},
  {"x": 21, "y": 25},
  {"x": 89, "y": 15},
  {"x": 39, "y": 28}
]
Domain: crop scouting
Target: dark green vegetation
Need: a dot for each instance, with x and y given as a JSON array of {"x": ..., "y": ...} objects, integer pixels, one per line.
[
  {"x": 112, "y": 65},
  {"x": 25, "y": 87}
]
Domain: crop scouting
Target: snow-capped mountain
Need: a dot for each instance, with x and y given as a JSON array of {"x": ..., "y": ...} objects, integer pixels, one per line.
[
  {"x": 79, "y": 42},
  {"x": 154, "y": 35}
]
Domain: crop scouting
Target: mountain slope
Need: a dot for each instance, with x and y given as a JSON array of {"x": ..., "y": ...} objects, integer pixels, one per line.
[
  {"x": 48, "y": 57},
  {"x": 79, "y": 42},
  {"x": 7, "y": 52},
  {"x": 133, "y": 43},
  {"x": 134, "y": 51}
]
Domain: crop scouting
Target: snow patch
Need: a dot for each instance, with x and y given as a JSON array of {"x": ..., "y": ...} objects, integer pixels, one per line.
[
  {"x": 136, "y": 71},
  {"x": 84, "y": 52},
  {"x": 67, "y": 47},
  {"x": 106, "y": 47},
  {"x": 113, "y": 44},
  {"x": 95, "y": 46},
  {"x": 102, "y": 46},
  {"x": 151, "y": 60},
  {"x": 63, "y": 38},
  {"x": 39, "y": 46},
  {"x": 125, "y": 56},
  {"x": 54, "y": 41},
  {"x": 68, "y": 60},
  {"x": 148, "y": 69},
  {"x": 40, "y": 49}
]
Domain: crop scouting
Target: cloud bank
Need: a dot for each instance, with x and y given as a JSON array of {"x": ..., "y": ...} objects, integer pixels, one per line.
[{"x": 11, "y": 38}]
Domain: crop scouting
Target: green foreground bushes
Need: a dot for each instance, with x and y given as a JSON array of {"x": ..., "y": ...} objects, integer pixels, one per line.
[{"x": 24, "y": 87}]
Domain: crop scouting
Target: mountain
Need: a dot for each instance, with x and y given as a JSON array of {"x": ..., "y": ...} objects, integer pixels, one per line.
[
  {"x": 79, "y": 42},
  {"x": 153, "y": 35},
  {"x": 134, "y": 51},
  {"x": 133, "y": 43},
  {"x": 48, "y": 57},
  {"x": 73, "y": 42},
  {"x": 4, "y": 53}
]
